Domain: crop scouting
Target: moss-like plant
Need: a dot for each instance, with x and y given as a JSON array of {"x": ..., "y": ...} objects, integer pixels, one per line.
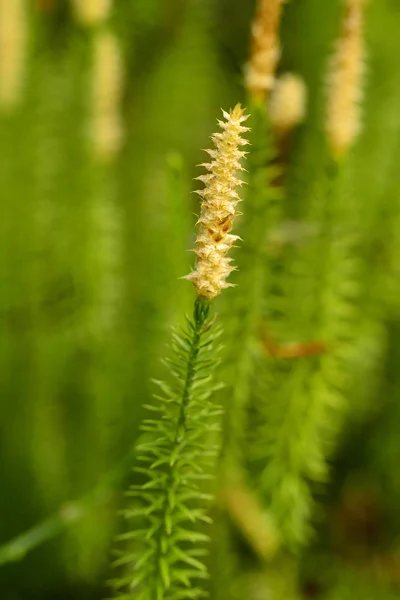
[{"x": 180, "y": 454}]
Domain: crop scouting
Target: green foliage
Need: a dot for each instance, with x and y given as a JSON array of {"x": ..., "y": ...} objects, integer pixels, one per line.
[
  {"x": 178, "y": 457},
  {"x": 91, "y": 256},
  {"x": 310, "y": 397}
]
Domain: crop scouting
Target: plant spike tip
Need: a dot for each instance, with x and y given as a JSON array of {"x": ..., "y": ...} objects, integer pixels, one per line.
[
  {"x": 106, "y": 125},
  {"x": 265, "y": 49},
  {"x": 13, "y": 49},
  {"x": 218, "y": 208},
  {"x": 91, "y": 12},
  {"x": 345, "y": 79}
]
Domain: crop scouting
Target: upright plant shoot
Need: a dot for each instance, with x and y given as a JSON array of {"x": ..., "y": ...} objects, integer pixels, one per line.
[
  {"x": 164, "y": 562},
  {"x": 219, "y": 207}
]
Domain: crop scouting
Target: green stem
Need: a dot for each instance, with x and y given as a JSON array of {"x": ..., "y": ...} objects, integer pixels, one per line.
[{"x": 201, "y": 311}]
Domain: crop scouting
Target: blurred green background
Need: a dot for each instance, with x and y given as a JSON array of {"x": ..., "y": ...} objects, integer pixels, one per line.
[{"x": 96, "y": 217}]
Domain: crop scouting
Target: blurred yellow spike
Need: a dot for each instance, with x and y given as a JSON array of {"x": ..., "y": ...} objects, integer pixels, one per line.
[
  {"x": 13, "y": 47},
  {"x": 265, "y": 49},
  {"x": 107, "y": 88},
  {"x": 287, "y": 106},
  {"x": 345, "y": 79},
  {"x": 91, "y": 12}
]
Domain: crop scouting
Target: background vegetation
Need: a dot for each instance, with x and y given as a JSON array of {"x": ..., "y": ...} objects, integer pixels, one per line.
[{"x": 96, "y": 217}]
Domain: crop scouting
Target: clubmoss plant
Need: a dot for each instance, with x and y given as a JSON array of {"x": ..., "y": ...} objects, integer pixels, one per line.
[
  {"x": 91, "y": 238},
  {"x": 307, "y": 400},
  {"x": 165, "y": 560}
]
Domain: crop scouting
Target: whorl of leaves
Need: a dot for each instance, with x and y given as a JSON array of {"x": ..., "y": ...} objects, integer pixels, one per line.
[{"x": 165, "y": 560}]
